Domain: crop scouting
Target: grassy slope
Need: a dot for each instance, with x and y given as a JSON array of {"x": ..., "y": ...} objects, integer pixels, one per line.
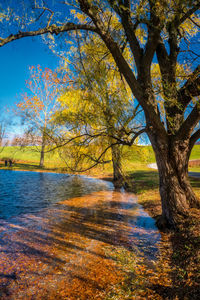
[
  {"x": 195, "y": 152},
  {"x": 135, "y": 158}
]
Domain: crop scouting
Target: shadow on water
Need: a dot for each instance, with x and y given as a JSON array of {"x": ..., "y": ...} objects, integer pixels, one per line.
[
  {"x": 63, "y": 242},
  {"x": 58, "y": 249}
]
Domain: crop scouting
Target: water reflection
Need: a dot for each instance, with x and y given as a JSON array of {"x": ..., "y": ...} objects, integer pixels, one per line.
[
  {"x": 59, "y": 251},
  {"x": 27, "y": 192},
  {"x": 118, "y": 211}
]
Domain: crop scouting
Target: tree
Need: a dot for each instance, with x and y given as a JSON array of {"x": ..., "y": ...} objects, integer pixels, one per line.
[
  {"x": 168, "y": 29},
  {"x": 2, "y": 133},
  {"x": 5, "y": 128},
  {"x": 37, "y": 107},
  {"x": 98, "y": 109}
]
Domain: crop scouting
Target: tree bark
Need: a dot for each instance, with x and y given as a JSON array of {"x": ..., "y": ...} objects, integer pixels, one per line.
[
  {"x": 118, "y": 176},
  {"x": 177, "y": 196},
  {"x": 42, "y": 151}
]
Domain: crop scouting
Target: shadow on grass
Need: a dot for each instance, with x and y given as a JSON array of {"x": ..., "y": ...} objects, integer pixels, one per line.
[
  {"x": 30, "y": 167},
  {"x": 183, "y": 245},
  {"x": 195, "y": 182},
  {"x": 144, "y": 180},
  {"x": 183, "y": 264}
]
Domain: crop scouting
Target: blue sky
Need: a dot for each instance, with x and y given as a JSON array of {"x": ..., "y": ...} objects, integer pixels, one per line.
[{"x": 15, "y": 59}]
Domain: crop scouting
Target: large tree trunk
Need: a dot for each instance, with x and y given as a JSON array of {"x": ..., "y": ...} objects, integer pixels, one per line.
[{"x": 176, "y": 193}]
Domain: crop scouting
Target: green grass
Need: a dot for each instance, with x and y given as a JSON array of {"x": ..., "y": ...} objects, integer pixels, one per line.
[
  {"x": 195, "y": 152},
  {"x": 31, "y": 155},
  {"x": 148, "y": 180},
  {"x": 135, "y": 158},
  {"x": 194, "y": 169}
]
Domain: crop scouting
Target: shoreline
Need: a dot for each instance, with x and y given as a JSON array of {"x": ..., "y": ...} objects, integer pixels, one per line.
[{"x": 179, "y": 250}]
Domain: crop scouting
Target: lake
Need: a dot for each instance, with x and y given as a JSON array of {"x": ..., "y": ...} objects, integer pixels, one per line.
[{"x": 27, "y": 192}]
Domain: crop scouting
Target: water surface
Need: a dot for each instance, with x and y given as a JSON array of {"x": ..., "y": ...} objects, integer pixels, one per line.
[
  {"x": 60, "y": 251},
  {"x": 27, "y": 192}
]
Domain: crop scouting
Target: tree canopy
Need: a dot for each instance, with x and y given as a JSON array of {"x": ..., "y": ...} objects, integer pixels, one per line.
[
  {"x": 36, "y": 108},
  {"x": 98, "y": 109},
  {"x": 161, "y": 32}
]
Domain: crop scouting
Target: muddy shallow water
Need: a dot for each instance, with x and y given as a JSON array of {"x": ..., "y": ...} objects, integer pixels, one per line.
[{"x": 59, "y": 251}]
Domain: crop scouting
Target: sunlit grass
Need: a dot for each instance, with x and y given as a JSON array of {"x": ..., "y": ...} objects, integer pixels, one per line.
[
  {"x": 135, "y": 159},
  {"x": 195, "y": 152}
]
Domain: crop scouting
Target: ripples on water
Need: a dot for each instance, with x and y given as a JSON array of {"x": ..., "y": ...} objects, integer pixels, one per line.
[
  {"x": 60, "y": 248},
  {"x": 25, "y": 192},
  {"x": 28, "y": 192}
]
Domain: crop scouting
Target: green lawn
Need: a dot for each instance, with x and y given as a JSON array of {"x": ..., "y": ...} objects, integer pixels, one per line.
[
  {"x": 195, "y": 152},
  {"x": 30, "y": 155},
  {"x": 135, "y": 158}
]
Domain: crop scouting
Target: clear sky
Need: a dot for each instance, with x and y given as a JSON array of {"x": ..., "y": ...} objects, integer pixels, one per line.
[{"x": 15, "y": 59}]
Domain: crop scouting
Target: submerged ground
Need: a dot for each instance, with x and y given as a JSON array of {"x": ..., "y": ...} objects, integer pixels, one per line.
[
  {"x": 70, "y": 250},
  {"x": 98, "y": 245}
]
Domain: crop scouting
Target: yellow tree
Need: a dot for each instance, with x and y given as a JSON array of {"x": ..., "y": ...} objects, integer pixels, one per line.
[
  {"x": 168, "y": 32},
  {"x": 99, "y": 108}
]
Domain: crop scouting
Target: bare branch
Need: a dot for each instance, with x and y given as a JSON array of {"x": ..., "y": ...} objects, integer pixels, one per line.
[
  {"x": 53, "y": 29},
  {"x": 96, "y": 161},
  {"x": 132, "y": 140}
]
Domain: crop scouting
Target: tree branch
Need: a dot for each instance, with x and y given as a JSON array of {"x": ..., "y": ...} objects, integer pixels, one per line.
[
  {"x": 189, "y": 124},
  {"x": 154, "y": 29},
  {"x": 195, "y": 23},
  {"x": 163, "y": 58},
  {"x": 53, "y": 29},
  {"x": 114, "y": 48},
  {"x": 45, "y": 9},
  {"x": 191, "y": 88},
  {"x": 129, "y": 28},
  {"x": 96, "y": 161},
  {"x": 189, "y": 13},
  {"x": 128, "y": 142}
]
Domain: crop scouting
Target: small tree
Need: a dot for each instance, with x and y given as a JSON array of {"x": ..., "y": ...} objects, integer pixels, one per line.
[
  {"x": 5, "y": 126},
  {"x": 2, "y": 133},
  {"x": 37, "y": 107}
]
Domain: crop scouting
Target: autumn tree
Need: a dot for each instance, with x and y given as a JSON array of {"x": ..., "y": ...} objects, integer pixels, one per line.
[
  {"x": 36, "y": 108},
  {"x": 98, "y": 109},
  {"x": 168, "y": 29}
]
